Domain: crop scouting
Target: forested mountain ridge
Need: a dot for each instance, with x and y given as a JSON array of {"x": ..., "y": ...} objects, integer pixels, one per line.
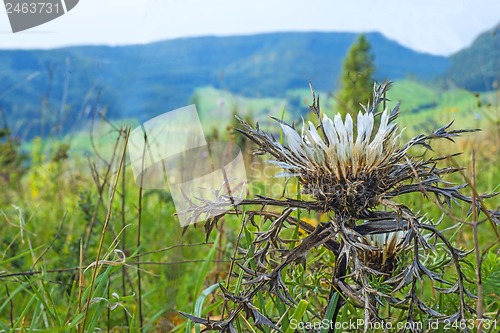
[
  {"x": 141, "y": 81},
  {"x": 477, "y": 67}
]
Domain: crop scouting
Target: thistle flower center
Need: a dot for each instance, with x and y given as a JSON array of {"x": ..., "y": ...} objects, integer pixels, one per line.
[{"x": 341, "y": 170}]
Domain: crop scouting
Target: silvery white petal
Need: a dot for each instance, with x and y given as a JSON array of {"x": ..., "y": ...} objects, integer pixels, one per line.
[
  {"x": 306, "y": 135},
  {"x": 339, "y": 126},
  {"x": 315, "y": 135},
  {"x": 369, "y": 121},
  {"x": 382, "y": 129},
  {"x": 293, "y": 138},
  {"x": 302, "y": 133},
  {"x": 283, "y": 165},
  {"x": 360, "y": 127},
  {"x": 348, "y": 127},
  {"x": 383, "y": 122},
  {"x": 330, "y": 132},
  {"x": 286, "y": 175}
]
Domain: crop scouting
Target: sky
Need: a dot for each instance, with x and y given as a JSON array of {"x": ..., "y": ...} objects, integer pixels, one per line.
[{"x": 433, "y": 26}]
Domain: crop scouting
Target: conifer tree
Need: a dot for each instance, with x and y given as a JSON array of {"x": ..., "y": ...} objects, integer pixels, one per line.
[{"x": 356, "y": 77}]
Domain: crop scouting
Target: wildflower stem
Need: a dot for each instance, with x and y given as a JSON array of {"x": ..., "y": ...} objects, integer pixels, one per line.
[
  {"x": 139, "y": 224},
  {"x": 106, "y": 223},
  {"x": 124, "y": 240},
  {"x": 11, "y": 309},
  {"x": 479, "y": 307},
  {"x": 340, "y": 272}
]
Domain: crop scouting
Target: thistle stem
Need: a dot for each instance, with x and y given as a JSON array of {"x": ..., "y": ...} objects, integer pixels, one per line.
[{"x": 340, "y": 272}]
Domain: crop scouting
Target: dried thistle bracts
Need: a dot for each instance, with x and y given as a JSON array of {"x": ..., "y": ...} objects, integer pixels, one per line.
[{"x": 351, "y": 167}]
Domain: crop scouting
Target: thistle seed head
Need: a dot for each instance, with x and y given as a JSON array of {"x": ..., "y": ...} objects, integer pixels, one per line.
[
  {"x": 345, "y": 168},
  {"x": 388, "y": 247}
]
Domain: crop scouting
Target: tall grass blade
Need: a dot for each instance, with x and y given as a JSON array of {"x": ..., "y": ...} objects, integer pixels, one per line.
[{"x": 298, "y": 314}]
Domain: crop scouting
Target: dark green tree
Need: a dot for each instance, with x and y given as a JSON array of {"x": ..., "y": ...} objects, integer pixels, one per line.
[{"x": 356, "y": 77}]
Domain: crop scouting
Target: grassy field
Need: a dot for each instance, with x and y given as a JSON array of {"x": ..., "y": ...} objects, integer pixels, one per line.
[
  {"x": 420, "y": 105},
  {"x": 83, "y": 248}
]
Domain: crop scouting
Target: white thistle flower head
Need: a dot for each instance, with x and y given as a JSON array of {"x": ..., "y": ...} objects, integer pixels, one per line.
[
  {"x": 339, "y": 153},
  {"x": 338, "y": 161},
  {"x": 350, "y": 167}
]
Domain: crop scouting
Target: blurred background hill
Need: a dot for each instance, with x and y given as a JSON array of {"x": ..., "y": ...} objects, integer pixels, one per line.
[
  {"x": 478, "y": 67},
  {"x": 52, "y": 91}
]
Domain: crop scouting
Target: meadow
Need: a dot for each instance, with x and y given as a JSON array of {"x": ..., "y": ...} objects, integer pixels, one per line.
[{"x": 84, "y": 249}]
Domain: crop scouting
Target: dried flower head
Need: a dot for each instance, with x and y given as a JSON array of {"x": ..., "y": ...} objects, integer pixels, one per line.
[
  {"x": 342, "y": 170},
  {"x": 352, "y": 168},
  {"x": 388, "y": 247}
]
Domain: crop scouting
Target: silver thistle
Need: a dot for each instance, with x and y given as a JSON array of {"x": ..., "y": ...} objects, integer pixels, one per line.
[{"x": 349, "y": 170}]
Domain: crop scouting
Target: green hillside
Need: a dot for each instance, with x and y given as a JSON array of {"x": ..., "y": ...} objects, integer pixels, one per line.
[
  {"x": 423, "y": 107},
  {"x": 417, "y": 100},
  {"x": 477, "y": 67},
  {"x": 40, "y": 90}
]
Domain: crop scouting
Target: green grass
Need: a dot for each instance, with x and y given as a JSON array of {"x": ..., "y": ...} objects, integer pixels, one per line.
[
  {"x": 46, "y": 223},
  {"x": 423, "y": 107}
]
